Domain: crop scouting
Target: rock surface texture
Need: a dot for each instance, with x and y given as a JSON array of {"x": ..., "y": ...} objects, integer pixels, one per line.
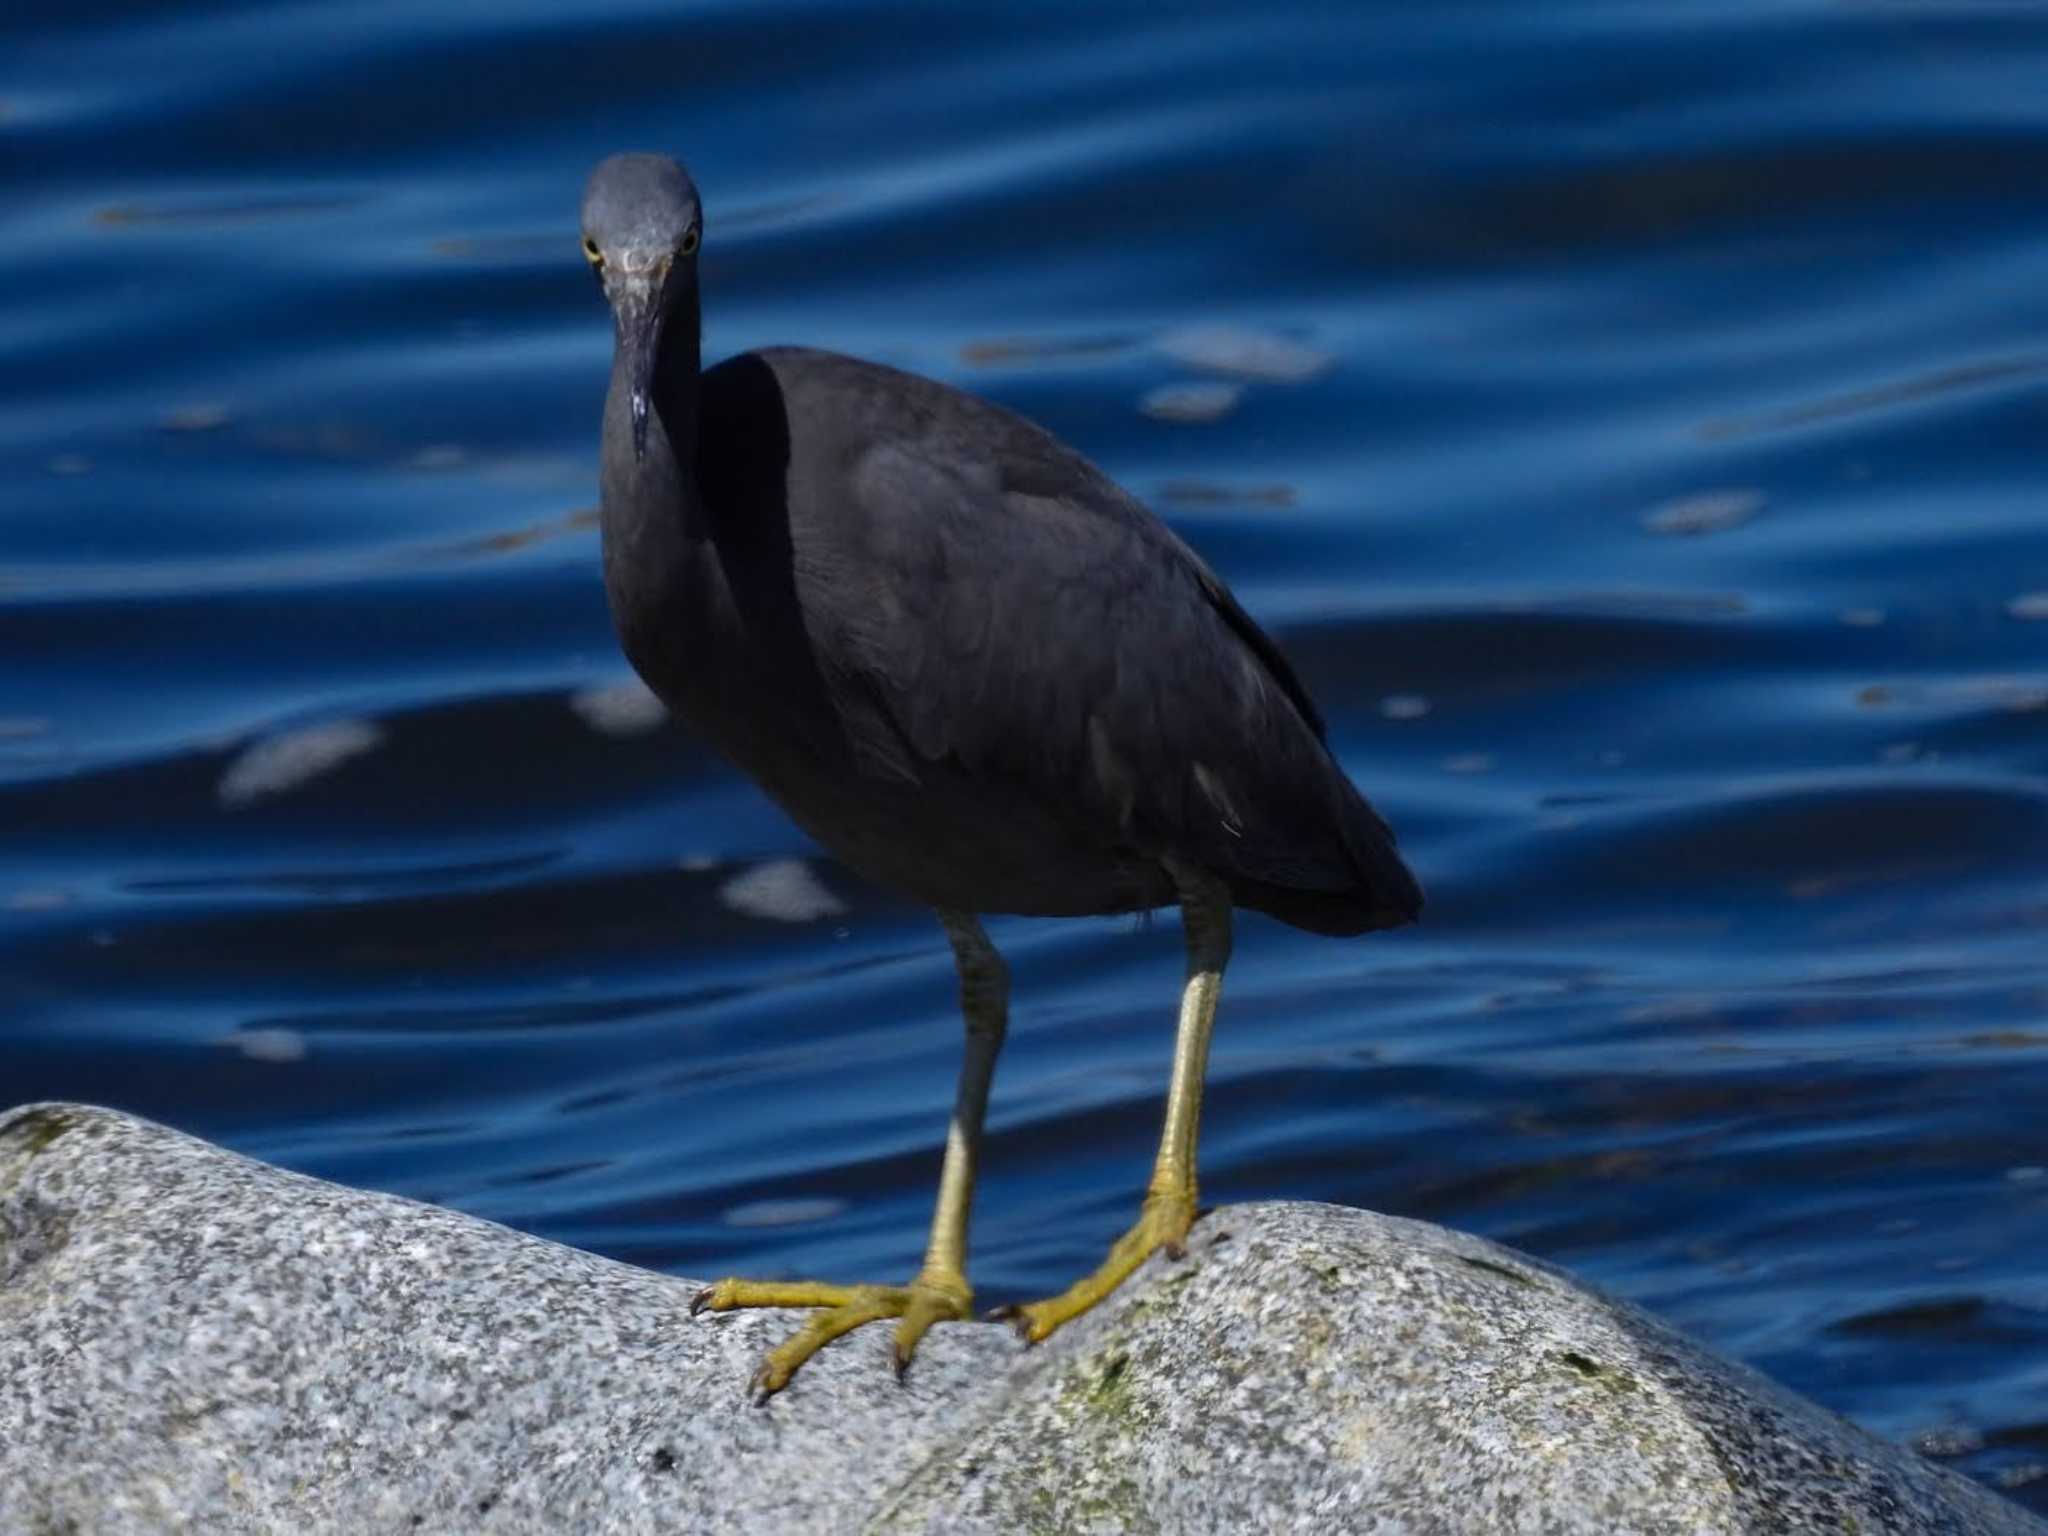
[{"x": 190, "y": 1341}]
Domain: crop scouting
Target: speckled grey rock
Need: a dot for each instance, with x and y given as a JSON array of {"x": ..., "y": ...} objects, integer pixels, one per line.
[{"x": 190, "y": 1341}]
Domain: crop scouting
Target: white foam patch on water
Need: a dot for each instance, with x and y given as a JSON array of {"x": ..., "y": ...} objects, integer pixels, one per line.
[
  {"x": 626, "y": 708},
  {"x": 1707, "y": 512},
  {"x": 1205, "y": 400},
  {"x": 1245, "y": 353},
  {"x": 2029, "y": 605},
  {"x": 279, "y": 1045},
  {"x": 284, "y": 762},
  {"x": 783, "y": 891},
  {"x": 784, "y": 1213},
  {"x": 200, "y": 416}
]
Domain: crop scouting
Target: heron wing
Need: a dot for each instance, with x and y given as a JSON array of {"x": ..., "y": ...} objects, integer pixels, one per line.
[{"x": 1011, "y": 612}]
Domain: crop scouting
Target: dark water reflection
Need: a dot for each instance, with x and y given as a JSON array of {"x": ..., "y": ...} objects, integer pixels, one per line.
[{"x": 1630, "y": 421}]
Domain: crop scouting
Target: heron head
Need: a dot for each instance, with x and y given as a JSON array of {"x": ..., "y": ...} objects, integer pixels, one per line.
[{"x": 642, "y": 224}]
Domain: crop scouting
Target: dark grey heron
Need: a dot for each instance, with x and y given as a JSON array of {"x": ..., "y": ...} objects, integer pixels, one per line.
[{"x": 972, "y": 667}]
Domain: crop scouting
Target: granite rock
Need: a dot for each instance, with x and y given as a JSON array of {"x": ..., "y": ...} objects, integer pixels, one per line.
[{"x": 191, "y": 1341}]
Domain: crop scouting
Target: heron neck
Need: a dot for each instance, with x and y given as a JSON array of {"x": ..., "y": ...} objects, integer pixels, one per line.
[{"x": 655, "y": 531}]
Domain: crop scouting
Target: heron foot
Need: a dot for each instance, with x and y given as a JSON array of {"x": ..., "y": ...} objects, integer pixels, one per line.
[
  {"x": 1164, "y": 1222},
  {"x": 930, "y": 1298}
]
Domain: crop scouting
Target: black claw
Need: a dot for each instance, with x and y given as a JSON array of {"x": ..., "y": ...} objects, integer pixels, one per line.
[
  {"x": 901, "y": 1361},
  {"x": 1175, "y": 1251},
  {"x": 701, "y": 1300},
  {"x": 1218, "y": 1239},
  {"x": 1014, "y": 1316}
]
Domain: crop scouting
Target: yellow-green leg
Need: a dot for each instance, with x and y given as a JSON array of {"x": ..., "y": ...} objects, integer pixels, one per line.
[
  {"x": 940, "y": 1292},
  {"x": 1169, "y": 1208}
]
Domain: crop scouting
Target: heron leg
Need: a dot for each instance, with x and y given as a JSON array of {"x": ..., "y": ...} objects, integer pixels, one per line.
[
  {"x": 1169, "y": 1208},
  {"x": 940, "y": 1291}
]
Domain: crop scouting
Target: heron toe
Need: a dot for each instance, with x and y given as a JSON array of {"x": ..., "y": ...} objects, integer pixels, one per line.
[
  {"x": 841, "y": 1308},
  {"x": 1163, "y": 1223}
]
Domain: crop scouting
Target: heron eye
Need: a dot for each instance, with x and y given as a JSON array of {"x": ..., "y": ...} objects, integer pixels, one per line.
[
  {"x": 689, "y": 245},
  {"x": 591, "y": 253}
]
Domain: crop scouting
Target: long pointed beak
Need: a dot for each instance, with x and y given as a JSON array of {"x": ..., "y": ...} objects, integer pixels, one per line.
[{"x": 638, "y": 307}]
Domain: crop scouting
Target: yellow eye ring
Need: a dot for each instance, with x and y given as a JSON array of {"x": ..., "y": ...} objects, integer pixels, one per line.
[
  {"x": 591, "y": 253},
  {"x": 690, "y": 242}
]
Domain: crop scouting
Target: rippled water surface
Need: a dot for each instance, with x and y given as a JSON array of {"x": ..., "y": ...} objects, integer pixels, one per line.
[{"x": 1631, "y": 418}]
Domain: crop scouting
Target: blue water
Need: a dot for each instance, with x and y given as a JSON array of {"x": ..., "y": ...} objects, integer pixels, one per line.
[{"x": 1631, "y": 418}]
